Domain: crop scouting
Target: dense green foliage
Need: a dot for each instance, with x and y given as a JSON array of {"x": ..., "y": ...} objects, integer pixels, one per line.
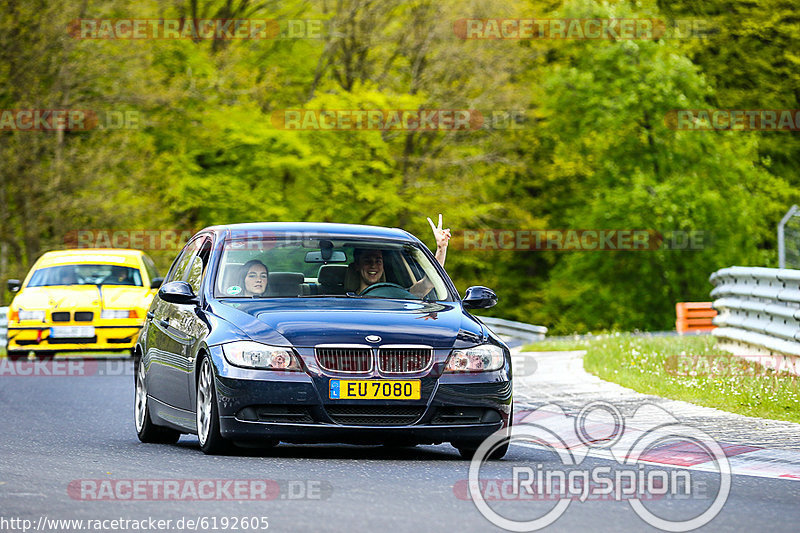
[{"x": 594, "y": 151}]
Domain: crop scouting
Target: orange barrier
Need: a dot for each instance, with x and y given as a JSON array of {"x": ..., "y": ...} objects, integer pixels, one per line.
[{"x": 694, "y": 316}]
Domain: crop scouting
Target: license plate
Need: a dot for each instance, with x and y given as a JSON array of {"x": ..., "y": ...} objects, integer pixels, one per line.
[
  {"x": 375, "y": 389},
  {"x": 72, "y": 332}
]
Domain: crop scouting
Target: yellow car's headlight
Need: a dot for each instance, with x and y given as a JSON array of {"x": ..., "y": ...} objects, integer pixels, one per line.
[
  {"x": 32, "y": 315},
  {"x": 256, "y": 355}
]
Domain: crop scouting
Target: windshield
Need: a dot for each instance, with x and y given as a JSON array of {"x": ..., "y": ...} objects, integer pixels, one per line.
[
  {"x": 83, "y": 274},
  {"x": 321, "y": 267}
]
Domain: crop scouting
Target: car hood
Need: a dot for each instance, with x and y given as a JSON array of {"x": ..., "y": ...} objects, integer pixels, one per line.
[
  {"x": 309, "y": 322},
  {"x": 83, "y": 297}
]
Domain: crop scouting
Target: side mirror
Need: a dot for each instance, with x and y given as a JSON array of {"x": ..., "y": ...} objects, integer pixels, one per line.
[
  {"x": 178, "y": 292},
  {"x": 156, "y": 283},
  {"x": 479, "y": 298},
  {"x": 14, "y": 285}
]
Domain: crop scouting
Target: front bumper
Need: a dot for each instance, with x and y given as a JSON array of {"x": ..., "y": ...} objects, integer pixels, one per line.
[
  {"x": 240, "y": 431},
  {"x": 38, "y": 339},
  {"x": 294, "y": 407}
]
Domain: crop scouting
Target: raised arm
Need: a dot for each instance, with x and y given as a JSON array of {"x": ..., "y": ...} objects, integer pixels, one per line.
[{"x": 441, "y": 236}]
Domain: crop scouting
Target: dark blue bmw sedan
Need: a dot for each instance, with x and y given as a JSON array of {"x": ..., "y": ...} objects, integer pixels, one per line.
[{"x": 310, "y": 332}]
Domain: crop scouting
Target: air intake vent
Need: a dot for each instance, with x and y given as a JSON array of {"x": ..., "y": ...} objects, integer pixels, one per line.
[
  {"x": 276, "y": 414},
  {"x": 61, "y": 316},
  {"x": 84, "y": 316},
  {"x": 465, "y": 415},
  {"x": 375, "y": 415}
]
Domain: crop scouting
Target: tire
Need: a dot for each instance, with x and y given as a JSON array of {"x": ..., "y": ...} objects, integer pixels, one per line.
[
  {"x": 467, "y": 451},
  {"x": 17, "y": 355},
  {"x": 146, "y": 430},
  {"x": 207, "y": 413}
]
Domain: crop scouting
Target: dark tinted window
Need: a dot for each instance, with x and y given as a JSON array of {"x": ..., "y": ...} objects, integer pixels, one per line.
[
  {"x": 318, "y": 266},
  {"x": 152, "y": 271},
  {"x": 177, "y": 271},
  {"x": 199, "y": 262},
  {"x": 86, "y": 274}
]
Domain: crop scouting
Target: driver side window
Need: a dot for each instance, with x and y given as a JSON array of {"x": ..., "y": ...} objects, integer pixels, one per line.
[
  {"x": 194, "y": 276},
  {"x": 179, "y": 269}
]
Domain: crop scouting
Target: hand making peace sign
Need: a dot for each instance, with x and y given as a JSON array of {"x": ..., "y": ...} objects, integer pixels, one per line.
[{"x": 441, "y": 236}]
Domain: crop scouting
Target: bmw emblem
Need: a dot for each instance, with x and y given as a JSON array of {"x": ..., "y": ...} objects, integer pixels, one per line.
[{"x": 373, "y": 338}]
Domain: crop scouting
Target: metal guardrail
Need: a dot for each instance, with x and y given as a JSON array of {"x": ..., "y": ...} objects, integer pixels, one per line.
[
  {"x": 515, "y": 330},
  {"x": 3, "y": 326},
  {"x": 759, "y": 310}
]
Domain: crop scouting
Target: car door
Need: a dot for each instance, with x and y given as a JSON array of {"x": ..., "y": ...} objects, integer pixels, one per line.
[
  {"x": 165, "y": 353},
  {"x": 188, "y": 323}
]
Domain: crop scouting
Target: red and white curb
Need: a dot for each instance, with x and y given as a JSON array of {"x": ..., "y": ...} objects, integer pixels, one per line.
[
  {"x": 744, "y": 460},
  {"x": 565, "y": 380}
]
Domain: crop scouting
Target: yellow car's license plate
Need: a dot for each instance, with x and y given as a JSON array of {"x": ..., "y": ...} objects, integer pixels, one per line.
[
  {"x": 71, "y": 332},
  {"x": 375, "y": 389}
]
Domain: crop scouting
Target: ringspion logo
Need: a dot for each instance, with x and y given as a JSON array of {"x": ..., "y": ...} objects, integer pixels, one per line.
[{"x": 634, "y": 448}]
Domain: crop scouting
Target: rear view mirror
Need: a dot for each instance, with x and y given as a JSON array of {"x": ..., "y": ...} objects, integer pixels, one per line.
[
  {"x": 155, "y": 283},
  {"x": 335, "y": 257},
  {"x": 14, "y": 285}
]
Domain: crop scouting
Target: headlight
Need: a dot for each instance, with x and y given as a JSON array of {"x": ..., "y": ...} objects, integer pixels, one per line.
[
  {"x": 478, "y": 359},
  {"x": 256, "y": 355},
  {"x": 117, "y": 313},
  {"x": 32, "y": 315}
]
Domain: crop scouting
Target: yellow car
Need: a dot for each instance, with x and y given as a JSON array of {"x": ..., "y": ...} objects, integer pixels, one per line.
[{"x": 81, "y": 300}]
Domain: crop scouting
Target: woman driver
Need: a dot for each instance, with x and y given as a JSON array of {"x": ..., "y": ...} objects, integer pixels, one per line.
[
  {"x": 369, "y": 264},
  {"x": 255, "y": 278}
]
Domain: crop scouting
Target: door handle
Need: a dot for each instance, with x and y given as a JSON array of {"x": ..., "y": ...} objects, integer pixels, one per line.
[
  {"x": 164, "y": 323},
  {"x": 150, "y": 315}
]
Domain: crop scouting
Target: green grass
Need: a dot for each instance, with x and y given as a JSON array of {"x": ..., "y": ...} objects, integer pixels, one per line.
[{"x": 690, "y": 369}]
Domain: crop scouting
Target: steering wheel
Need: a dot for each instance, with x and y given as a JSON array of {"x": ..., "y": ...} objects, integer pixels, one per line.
[{"x": 388, "y": 290}]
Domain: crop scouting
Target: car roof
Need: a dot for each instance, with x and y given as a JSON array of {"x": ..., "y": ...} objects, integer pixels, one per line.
[
  {"x": 114, "y": 256},
  {"x": 330, "y": 229}
]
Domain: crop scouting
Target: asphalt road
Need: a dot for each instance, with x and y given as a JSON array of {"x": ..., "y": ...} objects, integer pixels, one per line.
[{"x": 58, "y": 431}]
